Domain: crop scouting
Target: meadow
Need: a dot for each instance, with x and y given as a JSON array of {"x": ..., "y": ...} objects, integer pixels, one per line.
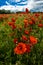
[{"x": 21, "y": 39}]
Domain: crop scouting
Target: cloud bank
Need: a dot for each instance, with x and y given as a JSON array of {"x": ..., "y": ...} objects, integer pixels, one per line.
[{"x": 32, "y": 5}]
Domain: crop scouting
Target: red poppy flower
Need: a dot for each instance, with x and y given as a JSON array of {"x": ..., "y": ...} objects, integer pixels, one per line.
[
  {"x": 26, "y": 32},
  {"x": 28, "y": 48},
  {"x": 20, "y": 49},
  {"x": 15, "y": 40},
  {"x": 10, "y": 23},
  {"x": 42, "y": 17},
  {"x": 37, "y": 14},
  {"x": 13, "y": 20},
  {"x": 40, "y": 25},
  {"x": 24, "y": 38},
  {"x": 33, "y": 19},
  {"x": 33, "y": 40},
  {"x": 13, "y": 27},
  {"x": 31, "y": 23},
  {"x": 25, "y": 23}
]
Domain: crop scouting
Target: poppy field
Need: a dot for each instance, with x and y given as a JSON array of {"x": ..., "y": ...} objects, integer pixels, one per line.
[{"x": 21, "y": 39}]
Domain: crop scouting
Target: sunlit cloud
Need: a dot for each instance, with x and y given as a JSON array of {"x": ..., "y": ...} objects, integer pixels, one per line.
[{"x": 17, "y": 5}]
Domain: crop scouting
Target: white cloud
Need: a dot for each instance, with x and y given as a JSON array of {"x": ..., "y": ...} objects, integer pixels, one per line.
[
  {"x": 12, "y": 8},
  {"x": 23, "y": 3},
  {"x": 31, "y": 4},
  {"x": 14, "y": 0},
  {"x": 17, "y": 0}
]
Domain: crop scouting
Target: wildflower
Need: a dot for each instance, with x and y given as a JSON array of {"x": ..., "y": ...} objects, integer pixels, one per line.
[
  {"x": 26, "y": 32},
  {"x": 13, "y": 20},
  {"x": 31, "y": 23},
  {"x": 42, "y": 17},
  {"x": 24, "y": 38},
  {"x": 10, "y": 23},
  {"x": 37, "y": 15},
  {"x": 33, "y": 40},
  {"x": 13, "y": 27},
  {"x": 33, "y": 19},
  {"x": 15, "y": 40},
  {"x": 25, "y": 23},
  {"x": 20, "y": 49},
  {"x": 28, "y": 48},
  {"x": 40, "y": 25}
]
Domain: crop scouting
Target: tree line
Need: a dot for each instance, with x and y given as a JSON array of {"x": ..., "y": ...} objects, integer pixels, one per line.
[{"x": 5, "y": 11}]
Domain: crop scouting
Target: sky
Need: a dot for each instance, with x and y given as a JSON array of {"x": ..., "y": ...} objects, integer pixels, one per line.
[{"x": 21, "y": 5}]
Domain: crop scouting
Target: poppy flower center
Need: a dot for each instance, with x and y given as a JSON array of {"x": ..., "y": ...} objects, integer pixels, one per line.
[{"x": 20, "y": 47}]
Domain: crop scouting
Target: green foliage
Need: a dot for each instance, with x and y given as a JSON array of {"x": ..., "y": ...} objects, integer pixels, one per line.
[{"x": 5, "y": 11}]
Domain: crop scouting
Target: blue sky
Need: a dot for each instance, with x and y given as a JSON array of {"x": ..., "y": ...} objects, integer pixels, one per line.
[
  {"x": 12, "y": 2},
  {"x": 21, "y": 5}
]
